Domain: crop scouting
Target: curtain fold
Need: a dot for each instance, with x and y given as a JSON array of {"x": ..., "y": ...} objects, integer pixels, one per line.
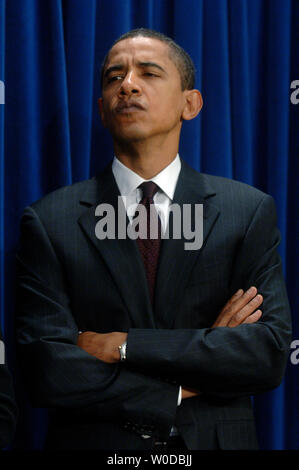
[{"x": 246, "y": 55}]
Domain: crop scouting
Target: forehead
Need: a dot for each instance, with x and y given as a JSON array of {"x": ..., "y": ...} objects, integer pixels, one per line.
[{"x": 140, "y": 49}]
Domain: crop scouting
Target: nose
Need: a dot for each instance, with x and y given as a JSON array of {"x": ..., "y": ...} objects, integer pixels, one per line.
[{"x": 130, "y": 85}]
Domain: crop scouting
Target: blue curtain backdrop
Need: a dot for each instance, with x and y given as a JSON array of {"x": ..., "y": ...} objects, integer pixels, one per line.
[{"x": 246, "y": 55}]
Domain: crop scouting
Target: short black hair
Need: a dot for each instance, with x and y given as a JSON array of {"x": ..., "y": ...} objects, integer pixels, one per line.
[{"x": 178, "y": 55}]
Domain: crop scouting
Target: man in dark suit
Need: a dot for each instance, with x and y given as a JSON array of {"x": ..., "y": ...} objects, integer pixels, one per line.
[
  {"x": 137, "y": 346},
  {"x": 8, "y": 410}
]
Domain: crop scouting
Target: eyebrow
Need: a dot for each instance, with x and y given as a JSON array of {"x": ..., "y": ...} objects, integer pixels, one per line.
[
  {"x": 118, "y": 67},
  {"x": 113, "y": 68},
  {"x": 151, "y": 64}
]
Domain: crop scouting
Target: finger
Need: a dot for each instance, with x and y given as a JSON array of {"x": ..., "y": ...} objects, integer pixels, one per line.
[
  {"x": 188, "y": 393},
  {"x": 228, "y": 304},
  {"x": 243, "y": 299},
  {"x": 234, "y": 305},
  {"x": 246, "y": 311},
  {"x": 236, "y": 296},
  {"x": 254, "y": 317},
  {"x": 239, "y": 303},
  {"x": 233, "y": 299}
]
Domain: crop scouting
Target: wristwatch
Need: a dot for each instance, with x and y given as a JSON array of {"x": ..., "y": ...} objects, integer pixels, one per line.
[{"x": 123, "y": 351}]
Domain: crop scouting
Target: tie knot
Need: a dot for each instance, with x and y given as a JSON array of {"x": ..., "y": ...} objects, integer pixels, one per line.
[{"x": 149, "y": 189}]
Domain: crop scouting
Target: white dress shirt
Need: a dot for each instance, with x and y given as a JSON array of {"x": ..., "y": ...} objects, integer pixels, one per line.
[{"x": 128, "y": 182}]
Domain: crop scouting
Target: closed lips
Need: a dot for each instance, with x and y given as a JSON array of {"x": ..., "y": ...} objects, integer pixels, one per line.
[{"x": 129, "y": 106}]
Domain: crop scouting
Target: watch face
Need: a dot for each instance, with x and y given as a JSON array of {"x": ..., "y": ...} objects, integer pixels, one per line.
[
  {"x": 124, "y": 348},
  {"x": 122, "y": 351}
]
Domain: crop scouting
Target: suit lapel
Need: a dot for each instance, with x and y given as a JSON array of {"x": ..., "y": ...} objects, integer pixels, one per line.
[
  {"x": 121, "y": 257},
  {"x": 176, "y": 263}
]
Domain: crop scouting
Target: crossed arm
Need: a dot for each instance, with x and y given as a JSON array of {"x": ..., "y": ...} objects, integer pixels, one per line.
[
  {"x": 221, "y": 360},
  {"x": 241, "y": 308}
]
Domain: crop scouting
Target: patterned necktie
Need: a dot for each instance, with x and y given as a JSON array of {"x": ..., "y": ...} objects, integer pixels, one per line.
[{"x": 150, "y": 247}]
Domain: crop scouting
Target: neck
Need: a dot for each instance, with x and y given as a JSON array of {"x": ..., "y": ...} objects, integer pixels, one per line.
[{"x": 144, "y": 159}]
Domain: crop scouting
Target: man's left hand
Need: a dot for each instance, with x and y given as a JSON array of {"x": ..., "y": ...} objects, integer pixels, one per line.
[{"x": 103, "y": 346}]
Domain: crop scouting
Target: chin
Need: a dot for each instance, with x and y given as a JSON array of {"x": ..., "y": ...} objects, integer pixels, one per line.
[{"x": 130, "y": 134}]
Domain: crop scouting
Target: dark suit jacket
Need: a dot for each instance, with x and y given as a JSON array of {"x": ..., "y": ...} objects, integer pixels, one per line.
[
  {"x": 69, "y": 281},
  {"x": 8, "y": 410}
]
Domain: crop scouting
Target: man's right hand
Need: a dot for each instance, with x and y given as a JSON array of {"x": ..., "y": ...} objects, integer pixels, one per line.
[{"x": 241, "y": 308}]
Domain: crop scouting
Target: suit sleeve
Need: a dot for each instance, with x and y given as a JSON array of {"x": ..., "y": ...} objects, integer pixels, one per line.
[
  {"x": 8, "y": 410},
  {"x": 57, "y": 372},
  {"x": 227, "y": 362}
]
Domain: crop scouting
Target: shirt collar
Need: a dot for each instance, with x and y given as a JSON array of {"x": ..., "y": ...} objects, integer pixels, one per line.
[{"x": 127, "y": 180}]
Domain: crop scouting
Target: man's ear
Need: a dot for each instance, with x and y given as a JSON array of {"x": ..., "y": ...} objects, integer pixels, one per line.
[
  {"x": 193, "y": 104},
  {"x": 101, "y": 111}
]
